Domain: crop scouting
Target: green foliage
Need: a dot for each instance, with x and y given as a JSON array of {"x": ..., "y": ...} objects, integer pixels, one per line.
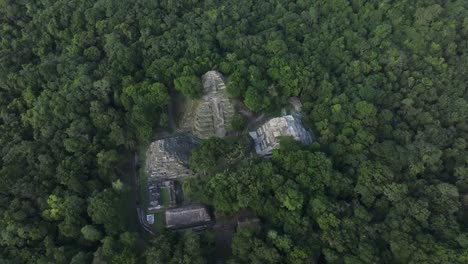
[
  {"x": 118, "y": 250},
  {"x": 289, "y": 196},
  {"x": 189, "y": 86},
  {"x": 248, "y": 248},
  {"x": 176, "y": 248},
  {"x": 145, "y": 102},
  {"x": 107, "y": 162},
  {"x": 91, "y": 233},
  {"x": 238, "y": 122},
  {"x": 102, "y": 210},
  {"x": 81, "y": 258},
  {"x": 236, "y": 85},
  {"x": 383, "y": 86},
  {"x": 253, "y": 99},
  {"x": 209, "y": 155}
]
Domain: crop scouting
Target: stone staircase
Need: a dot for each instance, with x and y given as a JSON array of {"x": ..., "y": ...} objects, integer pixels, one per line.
[{"x": 214, "y": 113}]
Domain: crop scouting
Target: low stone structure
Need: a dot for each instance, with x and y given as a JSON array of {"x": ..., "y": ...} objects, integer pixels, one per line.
[
  {"x": 266, "y": 136},
  {"x": 150, "y": 219},
  {"x": 187, "y": 217},
  {"x": 168, "y": 158},
  {"x": 161, "y": 195},
  {"x": 212, "y": 114}
]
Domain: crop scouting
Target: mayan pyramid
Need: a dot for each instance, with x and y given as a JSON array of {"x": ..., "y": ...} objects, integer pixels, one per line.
[{"x": 211, "y": 115}]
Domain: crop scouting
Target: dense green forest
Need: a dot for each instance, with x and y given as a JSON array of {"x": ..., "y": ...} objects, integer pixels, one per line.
[{"x": 384, "y": 88}]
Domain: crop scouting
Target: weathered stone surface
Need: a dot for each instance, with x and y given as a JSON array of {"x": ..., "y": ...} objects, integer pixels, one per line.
[
  {"x": 187, "y": 216},
  {"x": 296, "y": 104},
  {"x": 168, "y": 158},
  {"x": 155, "y": 195},
  {"x": 266, "y": 136},
  {"x": 212, "y": 114},
  {"x": 150, "y": 219}
]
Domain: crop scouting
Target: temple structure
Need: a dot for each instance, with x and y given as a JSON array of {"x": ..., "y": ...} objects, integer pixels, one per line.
[
  {"x": 187, "y": 217},
  {"x": 266, "y": 136},
  {"x": 166, "y": 162},
  {"x": 212, "y": 114},
  {"x": 168, "y": 158}
]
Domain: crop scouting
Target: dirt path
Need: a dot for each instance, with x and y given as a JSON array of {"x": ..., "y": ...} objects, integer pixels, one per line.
[
  {"x": 224, "y": 230},
  {"x": 254, "y": 121},
  {"x": 132, "y": 180},
  {"x": 170, "y": 115}
]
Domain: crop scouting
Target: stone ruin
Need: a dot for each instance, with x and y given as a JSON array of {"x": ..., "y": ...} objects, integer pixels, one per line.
[
  {"x": 166, "y": 162},
  {"x": 212, "y": 114},
  {"x": 155, "y": 199},
  {"x": 266, "y": 136},
  {"x": 168, "y": 158},
  {"x": 187, "y": 216}
]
